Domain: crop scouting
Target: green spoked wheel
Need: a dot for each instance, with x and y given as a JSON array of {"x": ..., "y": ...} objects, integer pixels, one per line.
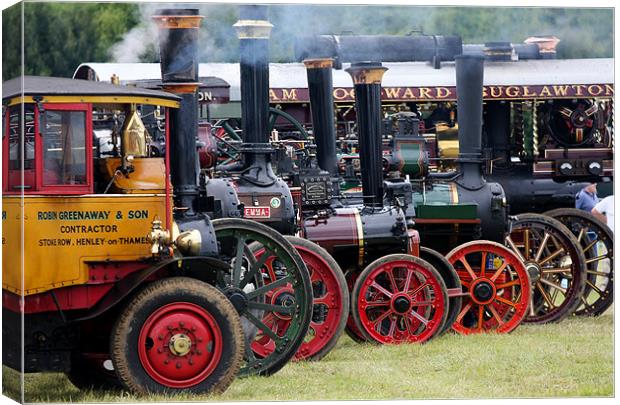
[
  {"x": 287, "y": 297},
  {"x": 555, "y": 263},
  {"x": 597, "y": 243}
]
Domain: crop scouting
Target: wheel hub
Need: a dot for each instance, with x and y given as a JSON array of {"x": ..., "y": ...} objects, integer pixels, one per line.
[
  {"x": 238, "y": 298},
  {"x": 286, "y": 299},
  {"x": 533, "y": 270},
  {"x": 180, "y": 344},
  {"x": 483, "y": 291},
  {"x": 402, "y": 304}
]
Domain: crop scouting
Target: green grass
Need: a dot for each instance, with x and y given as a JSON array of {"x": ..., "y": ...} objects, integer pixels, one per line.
[{"x": 571, "y": 359}]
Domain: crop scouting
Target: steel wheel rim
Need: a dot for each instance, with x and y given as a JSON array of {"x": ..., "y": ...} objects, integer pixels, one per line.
[
  {"x": 547, "y": 251},
  {"x": 598, "y": 294},
  {"x": 504, "y": 310},
  {"x": 163, "y": 340},
  {"x": 289, "y": 332},
  {"x": 351, "y": 328},
  {"x": 415, "y": 306}
]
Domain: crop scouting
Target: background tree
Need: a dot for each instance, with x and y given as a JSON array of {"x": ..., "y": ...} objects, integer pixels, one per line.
[{"x": 58, "y": 37}]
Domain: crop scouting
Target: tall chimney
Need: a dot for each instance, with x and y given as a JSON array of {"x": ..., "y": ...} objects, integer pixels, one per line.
[
  {"x": 367, "y": 78},
  {"x": 178, "y": 41},
  {"x": 320, "y": 87},
  {"x": 469, "y": 79},
  {"x": 253, "y": 30}
]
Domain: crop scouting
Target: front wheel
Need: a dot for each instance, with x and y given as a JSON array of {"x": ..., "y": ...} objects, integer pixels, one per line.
[{"x": 177, "y": 334}]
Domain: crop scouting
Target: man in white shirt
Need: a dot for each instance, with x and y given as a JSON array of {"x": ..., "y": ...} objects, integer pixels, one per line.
[{"x": 604, "y": 211}]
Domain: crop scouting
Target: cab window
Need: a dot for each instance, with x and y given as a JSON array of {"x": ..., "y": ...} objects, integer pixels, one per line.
[
  {"x": 64, "y": 147},
  {"x": 21, "y": 148}
]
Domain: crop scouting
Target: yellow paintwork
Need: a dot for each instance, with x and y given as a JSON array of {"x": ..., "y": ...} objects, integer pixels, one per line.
[
  {"x": 59, "y": 240},
  {"x": 148, "y": 175},
  {"x": 98, "y": 100}
]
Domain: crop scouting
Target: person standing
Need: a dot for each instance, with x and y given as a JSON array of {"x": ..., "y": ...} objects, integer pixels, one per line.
[
  {"x": 604, "y": 211},
  {"x": 586, "y": 198}
]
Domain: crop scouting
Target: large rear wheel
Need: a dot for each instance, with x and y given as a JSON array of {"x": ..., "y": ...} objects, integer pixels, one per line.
[
  {"x": 286, "y": 296},
  {"x": 597, "y": 244},
  {"x": 555, "y": 263}
]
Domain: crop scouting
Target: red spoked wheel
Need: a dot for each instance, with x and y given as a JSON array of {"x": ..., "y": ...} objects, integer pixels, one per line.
[
  {"x": 400, "y": 299},
  {"x": 330, "y": 301},
  {"x": 180, "y": 344},
  {"x": 495, "y": 287}
]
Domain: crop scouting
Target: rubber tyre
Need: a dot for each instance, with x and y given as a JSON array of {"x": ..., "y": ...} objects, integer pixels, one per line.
[
  {"x": 127, "y": 329},
  {"x": 450, "y": 278},
  {"x": 607, "y": 299}
]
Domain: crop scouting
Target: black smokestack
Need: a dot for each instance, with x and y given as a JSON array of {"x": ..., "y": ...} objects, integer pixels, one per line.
[
  {"x": 253, "y": 30},
  {"x": 367, "y": 82},
  {"x": 320, "y": 87},
  {"x": 469, "y": 79},
  {"x": 178, "y": 34},
  {"x": 387, "y": 48}
]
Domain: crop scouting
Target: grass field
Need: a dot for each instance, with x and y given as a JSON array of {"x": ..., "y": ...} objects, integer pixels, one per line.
[{"x": 572, "y": 358}]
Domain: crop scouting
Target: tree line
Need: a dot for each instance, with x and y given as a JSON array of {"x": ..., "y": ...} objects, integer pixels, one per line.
[{"x": 60, "y": 36}]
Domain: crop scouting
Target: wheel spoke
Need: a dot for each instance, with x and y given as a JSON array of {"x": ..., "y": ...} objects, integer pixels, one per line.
[
  {"x": 392, "y": 327},
  {"x": 238, "y": 261},
  {"x": 505, "y": 301},
  {"x": 595, "y": 288},
  {"x": 408, "y": 280},
  {"x": 417, "y": 290},
  {"x": 272, "y": 308},
  {"x": 499, "y": 271},
  {"x": 370, "y": 304},
  {"x": 531, "y": 305},
  {"x": 480, "y": 317},
  {"x": 526, "y": 244},
  {"x": 590, "y": 245},
  {"x": 390, "y": 276},
  {"x": 381, "y": 289},
  {"x": 508, "y": 284},
  {"x": 268, "y": 287},
  {"x": 381, "y": 317},
  {"x": 422, "y": 303},
  {"x": 582, "y": 232},
  {"x": 255, "y": 269},
  {"x": 545, "y": 296},
  {"x": 565, "y": 112},
  {"x": 553, "y": 285},
  {"x": 464, "y": 310},
  {"x": 483, "y": 264},
  {"x": 514, "y": 248},
  {"x": 598, "y": 273},
  {"x": 468, "y": 268},
  {"x": 498, "y": 318},
  {"x": 261, "y": 325},
  {"x": 597, "y": 258},
  {"x": 555, "y": 270},
  {"x": 541, "y": 247},
  {"x": 551, "y": 256},
  {"x": 419, "y": 317}
]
